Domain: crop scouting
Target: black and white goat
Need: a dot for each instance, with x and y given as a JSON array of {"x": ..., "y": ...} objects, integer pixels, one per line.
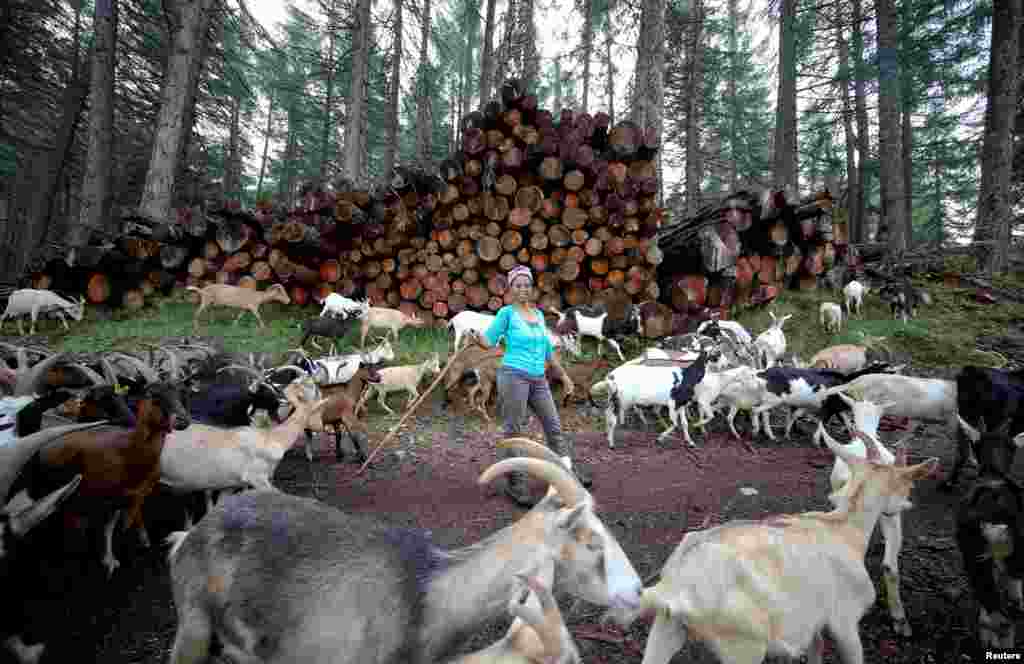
[
  {"x": 904, "y": 299},
  {"x": 990, "y": 535},
  {"x": 595, "y": 322},
  {"x": 993, "y": 395}
]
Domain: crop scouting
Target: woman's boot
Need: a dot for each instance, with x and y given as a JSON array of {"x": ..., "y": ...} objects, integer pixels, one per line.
[{"x": 563, "y": 446}]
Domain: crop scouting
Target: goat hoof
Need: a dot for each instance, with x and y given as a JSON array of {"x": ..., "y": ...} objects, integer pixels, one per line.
[
  {"x": 111, "y": 564},
  {"x": 902, "y": 628}
]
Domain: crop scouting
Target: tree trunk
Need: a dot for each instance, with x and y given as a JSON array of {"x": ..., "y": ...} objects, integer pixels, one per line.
[
  {"x": 858, "y": 216},
  {"x": 96, "y": 197},
  {"x": 730, "y": 93},
  {"x": 609, "y": 88},
  {"x": 487, "y": 56},
  {"x": 233, "y": 159},
  {"x": 995, "y": 214},
  {"x": 890, "y": 153},
  {"x": 785, "y": 162},
  {"x": 907, "y": 143},
  {"x": 650, "y": 63},
  {"x": 695, "y": 84},
  {"x": 588, "y": 48},
  {"x": 394, "y": 84},
  {"x": 852, "y": 172},
  {"x": 188, "y": 28},
  {"x": 329, "y": 69},
  {"x": 529, "y": 59},
  {"x": 266, "y": 147},
  {"x": 424, "y": 115},
  {"x": 355, "y": 166}
]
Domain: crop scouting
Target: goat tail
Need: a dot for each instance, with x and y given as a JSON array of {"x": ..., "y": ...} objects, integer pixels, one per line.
[{"x": 175, "y": 540}]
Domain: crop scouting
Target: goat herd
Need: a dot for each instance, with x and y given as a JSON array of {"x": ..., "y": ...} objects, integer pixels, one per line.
[{"x": 270, "y": 577}]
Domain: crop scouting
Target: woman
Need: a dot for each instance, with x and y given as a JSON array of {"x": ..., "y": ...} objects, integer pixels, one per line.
[{"x": 521, "y": 380}]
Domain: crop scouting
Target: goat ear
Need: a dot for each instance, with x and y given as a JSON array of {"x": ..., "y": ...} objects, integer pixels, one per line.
[
  {"x": 568, "y": 519},
  {"x": 929, "y": 468},
  {"x": 1018, "y": 440}
]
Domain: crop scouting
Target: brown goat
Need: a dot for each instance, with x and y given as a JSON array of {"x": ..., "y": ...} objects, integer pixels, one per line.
[
  {"x": 120, "y": 467},
  {"x": 582, "y": 375},
  {"x": 340, "y": 412},
  {"x": 470, "y": 357},
  {"x": 245, "y": 299}
]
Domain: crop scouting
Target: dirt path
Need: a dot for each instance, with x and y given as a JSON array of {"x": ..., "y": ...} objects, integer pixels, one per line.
[{"x": 648, "y": 495}]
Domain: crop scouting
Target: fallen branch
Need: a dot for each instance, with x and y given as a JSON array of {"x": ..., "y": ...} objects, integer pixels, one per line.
[{"x": 412, "y": 407}]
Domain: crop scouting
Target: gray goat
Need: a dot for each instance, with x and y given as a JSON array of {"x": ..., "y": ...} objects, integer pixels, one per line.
[
  {"x": 30, "y": 301},
  {"x": 278, "y": 578}
]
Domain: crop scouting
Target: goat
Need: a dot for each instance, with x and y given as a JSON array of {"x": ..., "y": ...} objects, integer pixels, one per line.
[
  {"x": 854, "y": 293},
  {"x": 712, "y": 328},
  {"x": 207, "y": 458},
  {"x": 844, "y": 358},
  {"x": 802, "y": 390},
  {"x": 466, "y": 362},
  {"x": 771, "y": 344},
  {"x": 338, "y": 368},
  {"x": 400, "y": 379},
  {"x": 392, "y": 320},
  {"x": 120, "y": 467},
  {"x": 995, "y": 395},
  {"x": 228, "y": 404},
  {"x": 340, "y": 411},
  {"x": 403, "y": 598},
  {"x": 329, "y": 326},
  {"x": 580, "y": 373},
  {"x": 31, "y": 301},
  {"x": 904, "y": 299},
  {"x": 830, "y": 316},
  {"x": 538, "y": 636},
  {"x": 17, "y": 518},
  {"x": 467, "y": 320},
  {"x": 866, "y": 418},
  {"x": 753, "y": 588},
  {"x": 336, "y": 304},
  {"x": 481, "y": 380},
  {"x": 596, "y": 326},
  {"x": 926, "y": 399},
  {"x": 237, "y": 297},
  {"x": 990, "y": 534},
  {"x": 684, "y": 384}
]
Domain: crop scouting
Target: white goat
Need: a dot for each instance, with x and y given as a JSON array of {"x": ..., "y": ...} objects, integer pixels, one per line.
[
  {"x": 400, "y": 379},
  {"x": 208, "y": 458},
  {"x": 866, "y": 417},
  {"x": 925, "y": 399},
  {"x": 854, "y": 293},
  {"x": 771, "y": 344},
  {"x": 31, "y": 301},
  {"x": 632, "y": 385},
  {"x": 388, "y": 594},
  {"x": 392, "y": 320},
  {"x": 754, "y": 588},
  {"x": 334, "y": 369},
  {"x": 538, "y": 636},
  {"x": 467, "y": 320},
  {"x": 830, "y": 316},
  {"x": 336, "y": 304}
]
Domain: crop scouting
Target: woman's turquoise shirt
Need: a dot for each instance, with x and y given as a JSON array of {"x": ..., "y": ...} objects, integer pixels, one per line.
[{"x": 527, "y": 345}]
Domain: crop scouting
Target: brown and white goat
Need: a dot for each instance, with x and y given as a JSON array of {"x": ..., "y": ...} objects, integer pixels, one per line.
[
  {"x": 580, "y": 373},
  {"x": 237, "y": 297},
  {"x": 392, "y": 320},
  {"x": 339, "y": 413},
  {"x": 754, "y": 588},
  {"x": 400, "y": 379},
  {"x": 120, "y": 467}
]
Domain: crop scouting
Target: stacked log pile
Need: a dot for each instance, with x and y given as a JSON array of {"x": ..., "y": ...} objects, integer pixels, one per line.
[
  {"x": 743, "y": 250},
  {"x": 570, "y": 196}
]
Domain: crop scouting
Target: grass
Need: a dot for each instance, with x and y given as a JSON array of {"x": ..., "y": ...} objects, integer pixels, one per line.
[{"x": 944, "y": 334}]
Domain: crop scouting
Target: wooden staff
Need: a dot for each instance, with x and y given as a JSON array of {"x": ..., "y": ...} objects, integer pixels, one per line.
[{"x": 412, "y": 407}]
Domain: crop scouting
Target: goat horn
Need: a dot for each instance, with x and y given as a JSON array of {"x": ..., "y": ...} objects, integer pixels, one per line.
[
  {"x": 28, "y": 383},
  {"x": 299, "y": 370},
  {"x": 108, "y": 371},
  {"x": 556, "y": 475},
  {"x": 14, "y": 456},
  {"x": 89, "y": 373},
  {"x": 530, "y": 448},
  {"x": 144, "y": 369}
]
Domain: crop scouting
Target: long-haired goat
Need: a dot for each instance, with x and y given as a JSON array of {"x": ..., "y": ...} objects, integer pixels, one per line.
[
  {"x": 388, "y": 594},
  {"x": 120, "y": 467},
  {"x": 753, "y": 588},
  {"x": 990, "y": 535}
]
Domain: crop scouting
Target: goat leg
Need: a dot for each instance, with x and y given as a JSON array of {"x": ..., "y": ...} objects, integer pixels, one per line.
[
  {"x": 24, "y": 654},
  {"x": 109, "y": 561},
  {"x": 892, "y": 531}
]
